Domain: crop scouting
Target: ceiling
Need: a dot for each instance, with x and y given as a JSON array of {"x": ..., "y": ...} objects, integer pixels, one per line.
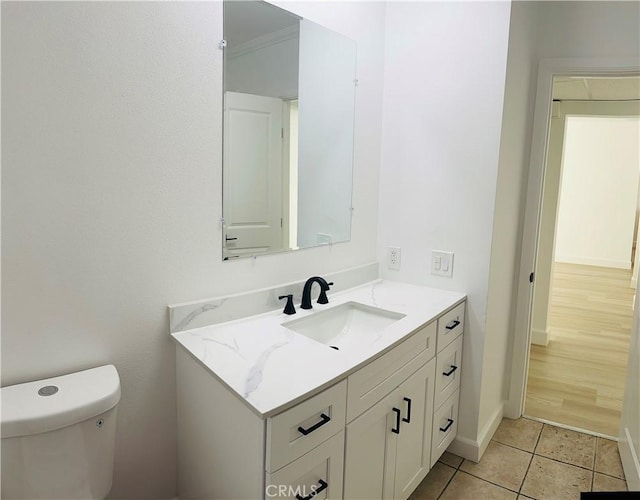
[
  {"x": 595, "y": 88},
  {"x": 247, "y": 20}
]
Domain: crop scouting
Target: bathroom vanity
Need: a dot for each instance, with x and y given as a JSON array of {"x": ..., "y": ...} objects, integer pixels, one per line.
[{"x": 270, "y": 406}]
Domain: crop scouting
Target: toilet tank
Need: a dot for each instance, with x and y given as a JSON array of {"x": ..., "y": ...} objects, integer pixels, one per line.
[{"x": 58, "y": 436}]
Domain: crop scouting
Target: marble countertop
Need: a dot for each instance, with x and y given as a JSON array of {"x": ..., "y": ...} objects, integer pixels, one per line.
[{"x": 271, "y": 368}]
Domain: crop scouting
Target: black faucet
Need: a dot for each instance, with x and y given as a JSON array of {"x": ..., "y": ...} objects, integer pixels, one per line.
[{"x": 306, "y": 292}]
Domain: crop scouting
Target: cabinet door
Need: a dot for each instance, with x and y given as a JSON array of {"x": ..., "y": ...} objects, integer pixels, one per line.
[
  {"x": 415, "y": 396},
  {"x": 382, "y": 463},
  {"x": 370, "y": 452},
  {"x": 317, "y": 474}
]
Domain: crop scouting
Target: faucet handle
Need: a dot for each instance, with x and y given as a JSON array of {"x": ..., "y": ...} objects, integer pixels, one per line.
[
  {"x": 322, "y": 299},
  {"x": 289, "y": 307}
]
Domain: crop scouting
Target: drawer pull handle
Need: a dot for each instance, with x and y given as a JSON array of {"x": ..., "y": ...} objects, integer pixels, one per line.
[
  {"x": 325, "y": 419},
  {"x": 323, "y": 486},
  {"x": 446, "y": 427},
  {"x": 453, "y": 369},
  {"x": 408, "y": 419},
  {"x": 397, "y": 428},
  {"x": 452, "y": 324}
]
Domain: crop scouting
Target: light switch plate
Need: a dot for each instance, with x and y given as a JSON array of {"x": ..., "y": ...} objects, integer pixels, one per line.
[{"x": 441, "y": 263}]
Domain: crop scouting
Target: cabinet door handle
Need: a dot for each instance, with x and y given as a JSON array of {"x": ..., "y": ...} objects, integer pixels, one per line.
[
  {"x": 408, "y": 419},
  {"x": 323, "y": 486},
  {"x": 325, "y": 419},
  {"x": 452, "y": 324},
  {"x": 446, "y": 427},
  {"x": 453, "y": 369},
  {"x": 397, "y": 428}
]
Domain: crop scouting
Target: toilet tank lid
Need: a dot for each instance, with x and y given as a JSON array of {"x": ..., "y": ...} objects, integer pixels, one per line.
[{"x": 36, "y": 407}]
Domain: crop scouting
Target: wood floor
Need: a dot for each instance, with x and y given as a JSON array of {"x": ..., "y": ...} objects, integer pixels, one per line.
[{"x": 579, "y": 378}]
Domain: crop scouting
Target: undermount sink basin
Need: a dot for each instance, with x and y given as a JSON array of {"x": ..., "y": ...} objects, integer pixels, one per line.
[{"x": 346, "y": 322}]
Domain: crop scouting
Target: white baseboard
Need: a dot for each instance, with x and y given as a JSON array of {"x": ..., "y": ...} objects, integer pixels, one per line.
[
  {"x": 540, "y": 337},
  {"x": 474, "y": 449},
  {"x": 630, "y": 460},
  {"x": 465, "y": 448},
  {"x": 589, "y": 261}
]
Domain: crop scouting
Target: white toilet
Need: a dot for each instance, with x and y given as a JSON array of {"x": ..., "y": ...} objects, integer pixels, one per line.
[{"x": 58, "y": 436}]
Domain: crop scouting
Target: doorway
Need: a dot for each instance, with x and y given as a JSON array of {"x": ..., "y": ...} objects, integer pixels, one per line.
[{"x": 582, "y": 301}]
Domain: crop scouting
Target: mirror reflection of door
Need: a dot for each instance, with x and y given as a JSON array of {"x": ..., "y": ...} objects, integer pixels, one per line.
[
  {"x": 253, "y": 174},
  {"x": 289, "y": 90}
]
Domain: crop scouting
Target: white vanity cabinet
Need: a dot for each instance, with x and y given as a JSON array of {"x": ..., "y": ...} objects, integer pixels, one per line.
[
  {"x": 374, "y": 433},
  {"x": 391, "y": 447}
]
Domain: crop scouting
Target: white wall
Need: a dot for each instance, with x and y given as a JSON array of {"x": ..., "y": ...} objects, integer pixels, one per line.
[
  {"x": 510, "y": 198},
  {"x": 325, "y": 134},
  {"x": 588, "y": 29},
  {"x": 599, "y": 196},
  {"x": 445, "y": 66},
  {"x": 111, "y": 182},
  {"x": 439, "y": 175},
  {"x": 269, "y": 71}
]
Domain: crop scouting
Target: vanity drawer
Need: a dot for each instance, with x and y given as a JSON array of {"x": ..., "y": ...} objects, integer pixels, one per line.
[
  {"x": 450, "y": 325},
  {"x": 318, "y": 474},
  {"x": 372, "y": 382},
  {"x": 445, "y": 427},
  {"x": 294, "y": 432},
  {"x": 448, "y": 371}
]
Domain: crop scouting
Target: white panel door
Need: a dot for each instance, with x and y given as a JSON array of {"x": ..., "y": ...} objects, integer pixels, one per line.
[
  {"x": 252, "y": 174},
  {"x": 629, "y": 442}
]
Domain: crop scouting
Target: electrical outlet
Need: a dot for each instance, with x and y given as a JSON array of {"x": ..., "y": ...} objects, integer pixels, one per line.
[
  {"x": 394, "y": 258},
  {"x": 441, "y": 263}
]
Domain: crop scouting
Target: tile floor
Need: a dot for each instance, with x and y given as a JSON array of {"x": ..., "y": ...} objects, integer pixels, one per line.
[{"x": 528, "y": 459}]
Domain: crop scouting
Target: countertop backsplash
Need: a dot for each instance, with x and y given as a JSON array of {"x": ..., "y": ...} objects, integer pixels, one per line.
[{"x": 216, "y": 310}]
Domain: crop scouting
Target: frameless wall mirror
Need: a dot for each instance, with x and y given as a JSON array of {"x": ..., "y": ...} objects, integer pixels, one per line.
[{"x": 289, "y": 102}]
